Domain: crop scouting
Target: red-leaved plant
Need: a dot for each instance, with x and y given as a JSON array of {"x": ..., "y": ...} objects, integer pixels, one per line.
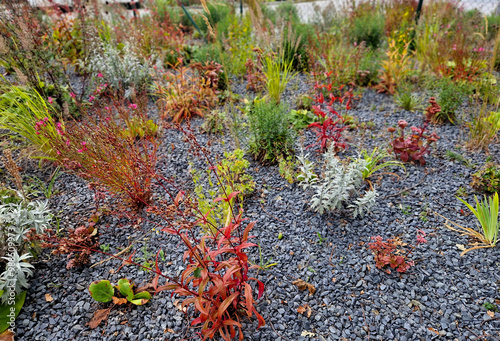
[
  {"x": 413, "y": 147},
  {"x": 330, "y": 124},
  {"x": 256, "y": 79},
  {"x": 388, "y": 256},
  {"x": 216, "y": 281},
  {"x": 100, "y": 149}
]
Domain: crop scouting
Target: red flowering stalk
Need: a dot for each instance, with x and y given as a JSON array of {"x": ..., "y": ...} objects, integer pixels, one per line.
[{"x": 388, "y": 256}]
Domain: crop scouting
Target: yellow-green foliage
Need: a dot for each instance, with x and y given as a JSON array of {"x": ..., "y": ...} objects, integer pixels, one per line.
[{"x": 232, "y": 178}]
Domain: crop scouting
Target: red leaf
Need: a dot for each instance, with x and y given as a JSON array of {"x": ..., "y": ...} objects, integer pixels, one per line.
[
  {"x": 249, "y": 299},
  {"x": 224, "y": 305}
]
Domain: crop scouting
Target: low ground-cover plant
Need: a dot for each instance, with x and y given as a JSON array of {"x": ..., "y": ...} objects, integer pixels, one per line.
[
  {"x": 102, "y": 291},
  {"x": 389, "y": 256},
  {"x": 341, "y": 181},
  {"x": 451, "y": 96},
  {"x": 270, "y": 133},
  {"x": 413, "y": 147},
  {"x": 487, "y": 178}
]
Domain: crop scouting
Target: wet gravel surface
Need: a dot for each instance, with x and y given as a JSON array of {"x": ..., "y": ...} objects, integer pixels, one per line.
[{"x": 441, "y": 297}]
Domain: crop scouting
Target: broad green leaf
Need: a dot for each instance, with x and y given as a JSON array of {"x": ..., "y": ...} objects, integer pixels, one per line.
[
  {"x": 125, "y": 288},
  {"x": 101, "y": 291},
  {"x": 5, "y": 311},
  {"x": 141, "y": 298}
]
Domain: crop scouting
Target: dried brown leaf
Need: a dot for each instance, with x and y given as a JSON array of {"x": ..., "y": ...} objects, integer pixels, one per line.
[
  {"x": 119, "y": 301},
  {"x": 99, "y": 316},
  {"x": 302, "y": 285},
  {"x": 7, "y": 336},
  {"x": 48, "y": 298}
]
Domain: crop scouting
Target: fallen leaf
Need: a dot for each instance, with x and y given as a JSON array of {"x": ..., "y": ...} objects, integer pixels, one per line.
[
  {"x": 48, "y": 298},
  {"x": 491, "y": 313},
  {"x": 123, "y": 322},
  {"x": 99, "y": 316},
  {"x": 111, "y": 271},
  {"x": 460, "y": 247},
  {"x": 334, "y": 279},
  {"x": 303, "y": 286},
  {"x": 169, "y": 331},
  {"x": 304, "y": 308},
  {"x": 119, "y": 301},
  {"x": 7, "y": 336},
  {"x": 306, "y": 333},
  {"x": 434, "y": 330}
]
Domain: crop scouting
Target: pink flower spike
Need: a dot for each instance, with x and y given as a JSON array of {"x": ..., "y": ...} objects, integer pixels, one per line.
[
  {"x": 133, "y": 106},
  {"x": 99, "y": 75},
  {"x": 72, "y": 94},
  {"x": 84, "y": 143},
  {"x": 67, "y": 143},
  {"x": 91, "y": 98},
  {"x": 50, "y": 100}
]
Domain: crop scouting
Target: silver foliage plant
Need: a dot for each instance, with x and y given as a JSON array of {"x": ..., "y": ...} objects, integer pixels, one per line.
[
  {"x": 16, "y": 220},
  {"x": 339, "y": 183},
  {"x": 120, "y": 68}
]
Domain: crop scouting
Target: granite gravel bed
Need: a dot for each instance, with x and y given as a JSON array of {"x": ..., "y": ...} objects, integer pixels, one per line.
[{"x": 440, "y": 298}]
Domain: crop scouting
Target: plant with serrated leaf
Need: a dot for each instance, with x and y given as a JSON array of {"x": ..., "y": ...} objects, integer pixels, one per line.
[
  {"x": 18, "y": 223},
  {"x": 340, "y": 181}
]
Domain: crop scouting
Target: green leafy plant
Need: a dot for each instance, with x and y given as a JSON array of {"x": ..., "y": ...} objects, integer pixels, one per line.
[
  {"x": 450, "y": 154},
  {"x": 287, "y": 168},
  {"x": 490, "y": 306},
  {"x": 451, "y": 96},
  {"x": 6, "y": 313},
  {"x": 487, "y": 178},
  {"x": 102, "y": 291},
  {"x": 367, "y": 26},
  {"x": 320, "y": 239},
  {"x": 263, "y": 265},
  {"x": 486, "y": 212},
  {"x": 301, "y": 119},
  {"x": 232, "y": 176},
  {"x": 215, "y": 122},
  {"x": 374, "y": 162},
  {"x": 461, "y": 192},
  {"x": 270, "y": 135}
]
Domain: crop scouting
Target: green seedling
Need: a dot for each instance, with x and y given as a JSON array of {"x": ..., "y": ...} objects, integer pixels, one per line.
[
  {"x": 321, "y": 239},
  {"x": 102, "y": 291},
  {"x": 104, "y": 247},
  {"x": 405, "y": 209}
]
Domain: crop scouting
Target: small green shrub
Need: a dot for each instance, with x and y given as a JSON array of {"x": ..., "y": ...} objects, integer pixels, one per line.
[
  {"x": 451, "y": 96},
  {"x": 369, "y": 28},
  {"x": 270, "y": 135},
  {"x": 406, "y": 99}
]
